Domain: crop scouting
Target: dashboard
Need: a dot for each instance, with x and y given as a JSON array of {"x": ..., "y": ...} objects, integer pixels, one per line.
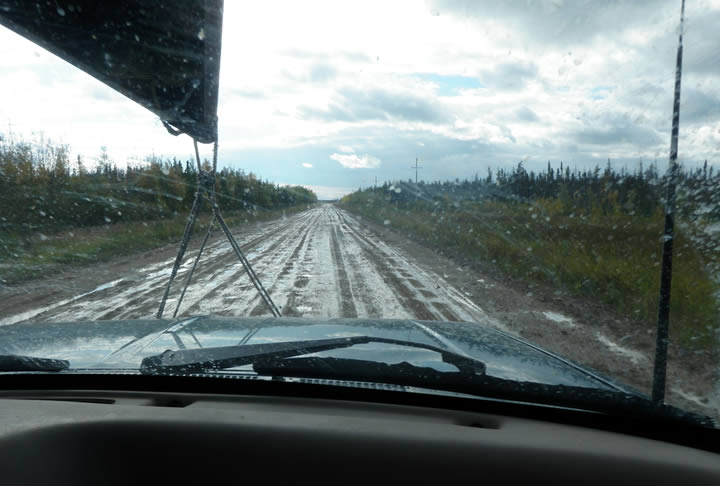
[{"x": 111, "y": 436}]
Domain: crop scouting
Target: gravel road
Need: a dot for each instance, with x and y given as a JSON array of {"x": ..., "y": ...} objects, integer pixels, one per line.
[{"x": 319, "y": 263}]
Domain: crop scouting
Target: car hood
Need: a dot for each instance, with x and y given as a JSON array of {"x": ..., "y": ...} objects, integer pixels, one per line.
[{"x": 123, "y": 344}]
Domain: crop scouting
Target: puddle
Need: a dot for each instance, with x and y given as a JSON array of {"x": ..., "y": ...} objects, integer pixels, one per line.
[
  {"x": 559, "y": 318},
  {"x": 30, "y": 314},
  {"x": 691, "y": 397},
  {"x": 634, "y": 356}
]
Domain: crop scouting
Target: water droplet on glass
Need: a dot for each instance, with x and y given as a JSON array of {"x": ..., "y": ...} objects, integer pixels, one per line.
[
  {"x": 61, "y": 12},
  {"x": 201, "y": 34},
  {"x": 108, "y": 220}
]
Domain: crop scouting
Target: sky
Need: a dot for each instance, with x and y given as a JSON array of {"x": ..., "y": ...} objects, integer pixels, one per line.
[{"x": 336, "y": 95}]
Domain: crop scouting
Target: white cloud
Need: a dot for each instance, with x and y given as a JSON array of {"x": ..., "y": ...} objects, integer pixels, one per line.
[
  {"x": 346, "y": 148},
  {"x": 306, "y": 165},
  {"x": 353, "y": 161}
]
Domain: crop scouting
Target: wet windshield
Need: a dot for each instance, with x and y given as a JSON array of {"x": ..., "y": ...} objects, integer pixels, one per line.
[{"x": 509, "y": 167}]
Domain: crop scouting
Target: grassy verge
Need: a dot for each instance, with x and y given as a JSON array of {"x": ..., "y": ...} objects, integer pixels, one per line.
[
  {"x": 612, "y": 259},
  {"x": 25, "y": 257}
]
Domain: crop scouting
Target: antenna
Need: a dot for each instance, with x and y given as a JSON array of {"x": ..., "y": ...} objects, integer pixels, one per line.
[
  {"x": 416, "y": 167},
  {"x": 661, "y": 346}
]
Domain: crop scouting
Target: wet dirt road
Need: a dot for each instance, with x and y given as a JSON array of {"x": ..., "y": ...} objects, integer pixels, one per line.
[{"x": 318, "y": 263}]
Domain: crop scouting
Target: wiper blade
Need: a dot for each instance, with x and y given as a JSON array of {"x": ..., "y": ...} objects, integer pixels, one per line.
[
  {"x": 211, "y": 359},
  {"x": 28, "y": 363},
  {"x": 404, "y": 374},
  {"x": 360, "y": 370}
]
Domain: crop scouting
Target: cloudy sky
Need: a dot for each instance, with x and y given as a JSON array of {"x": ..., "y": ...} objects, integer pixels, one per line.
[{"x": 332, "y": 94}]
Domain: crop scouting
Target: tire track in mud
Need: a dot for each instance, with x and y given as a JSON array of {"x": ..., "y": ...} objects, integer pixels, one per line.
[
  {"x": 150, "y": 299},
  {"x": 449, "y": 302},
  {"x": 407, "y": 298},
  {"x": 291, "y": 259},
  {"x": 346, "y": 299},
  {"x": 289, "y": 308},
  {"x": 265, "y": 259},
  {"x": 358, "y": 272}
]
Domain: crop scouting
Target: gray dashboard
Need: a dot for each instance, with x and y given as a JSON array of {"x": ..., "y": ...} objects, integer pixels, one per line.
[{"x": 141, "y": 437}]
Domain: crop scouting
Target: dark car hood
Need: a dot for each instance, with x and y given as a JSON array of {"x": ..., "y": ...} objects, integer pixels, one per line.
[{"x": 123, "y": 344}]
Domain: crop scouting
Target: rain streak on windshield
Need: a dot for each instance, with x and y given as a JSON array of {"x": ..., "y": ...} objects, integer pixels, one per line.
[{"x": 506, "y": 164}]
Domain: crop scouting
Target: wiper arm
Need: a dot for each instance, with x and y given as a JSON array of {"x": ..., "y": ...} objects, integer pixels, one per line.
[
  {"x": 210, "y": 359},
  {"x": 28, "y": 363}
]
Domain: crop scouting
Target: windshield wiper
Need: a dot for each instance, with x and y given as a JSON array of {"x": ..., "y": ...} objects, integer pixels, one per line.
[
  {"x": 610, "y": 402},
  {"x": 210, "y": 359},
  {"x": 403, "y": 374},
  {"x": 470, "y": 379},
  {"x": 28, "y": 363}
]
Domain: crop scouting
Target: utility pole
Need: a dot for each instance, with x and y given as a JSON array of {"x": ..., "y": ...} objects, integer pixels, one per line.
[{"x": 416, "y": 167}]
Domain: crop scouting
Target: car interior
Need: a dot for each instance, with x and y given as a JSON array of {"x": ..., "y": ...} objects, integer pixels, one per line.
[{"x": 110, "y": 429}]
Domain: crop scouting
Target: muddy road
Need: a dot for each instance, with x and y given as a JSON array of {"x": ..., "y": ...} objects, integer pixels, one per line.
[
  {"x": 325, "y": 262},
  {"x": 319, "y": 263}
]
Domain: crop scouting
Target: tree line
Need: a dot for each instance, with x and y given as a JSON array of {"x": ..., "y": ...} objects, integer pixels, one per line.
[
  {"x": 40, "y": 187},
  {"x": 598, "y": 192}
]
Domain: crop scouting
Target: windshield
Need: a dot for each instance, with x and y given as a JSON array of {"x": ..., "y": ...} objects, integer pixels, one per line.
[{"x": 506, "y": 166}]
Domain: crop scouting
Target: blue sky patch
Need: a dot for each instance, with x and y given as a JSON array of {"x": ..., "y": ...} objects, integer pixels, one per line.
[
  {"x": 450, "y": 85},
  {"x": 600, "y": 92}
]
